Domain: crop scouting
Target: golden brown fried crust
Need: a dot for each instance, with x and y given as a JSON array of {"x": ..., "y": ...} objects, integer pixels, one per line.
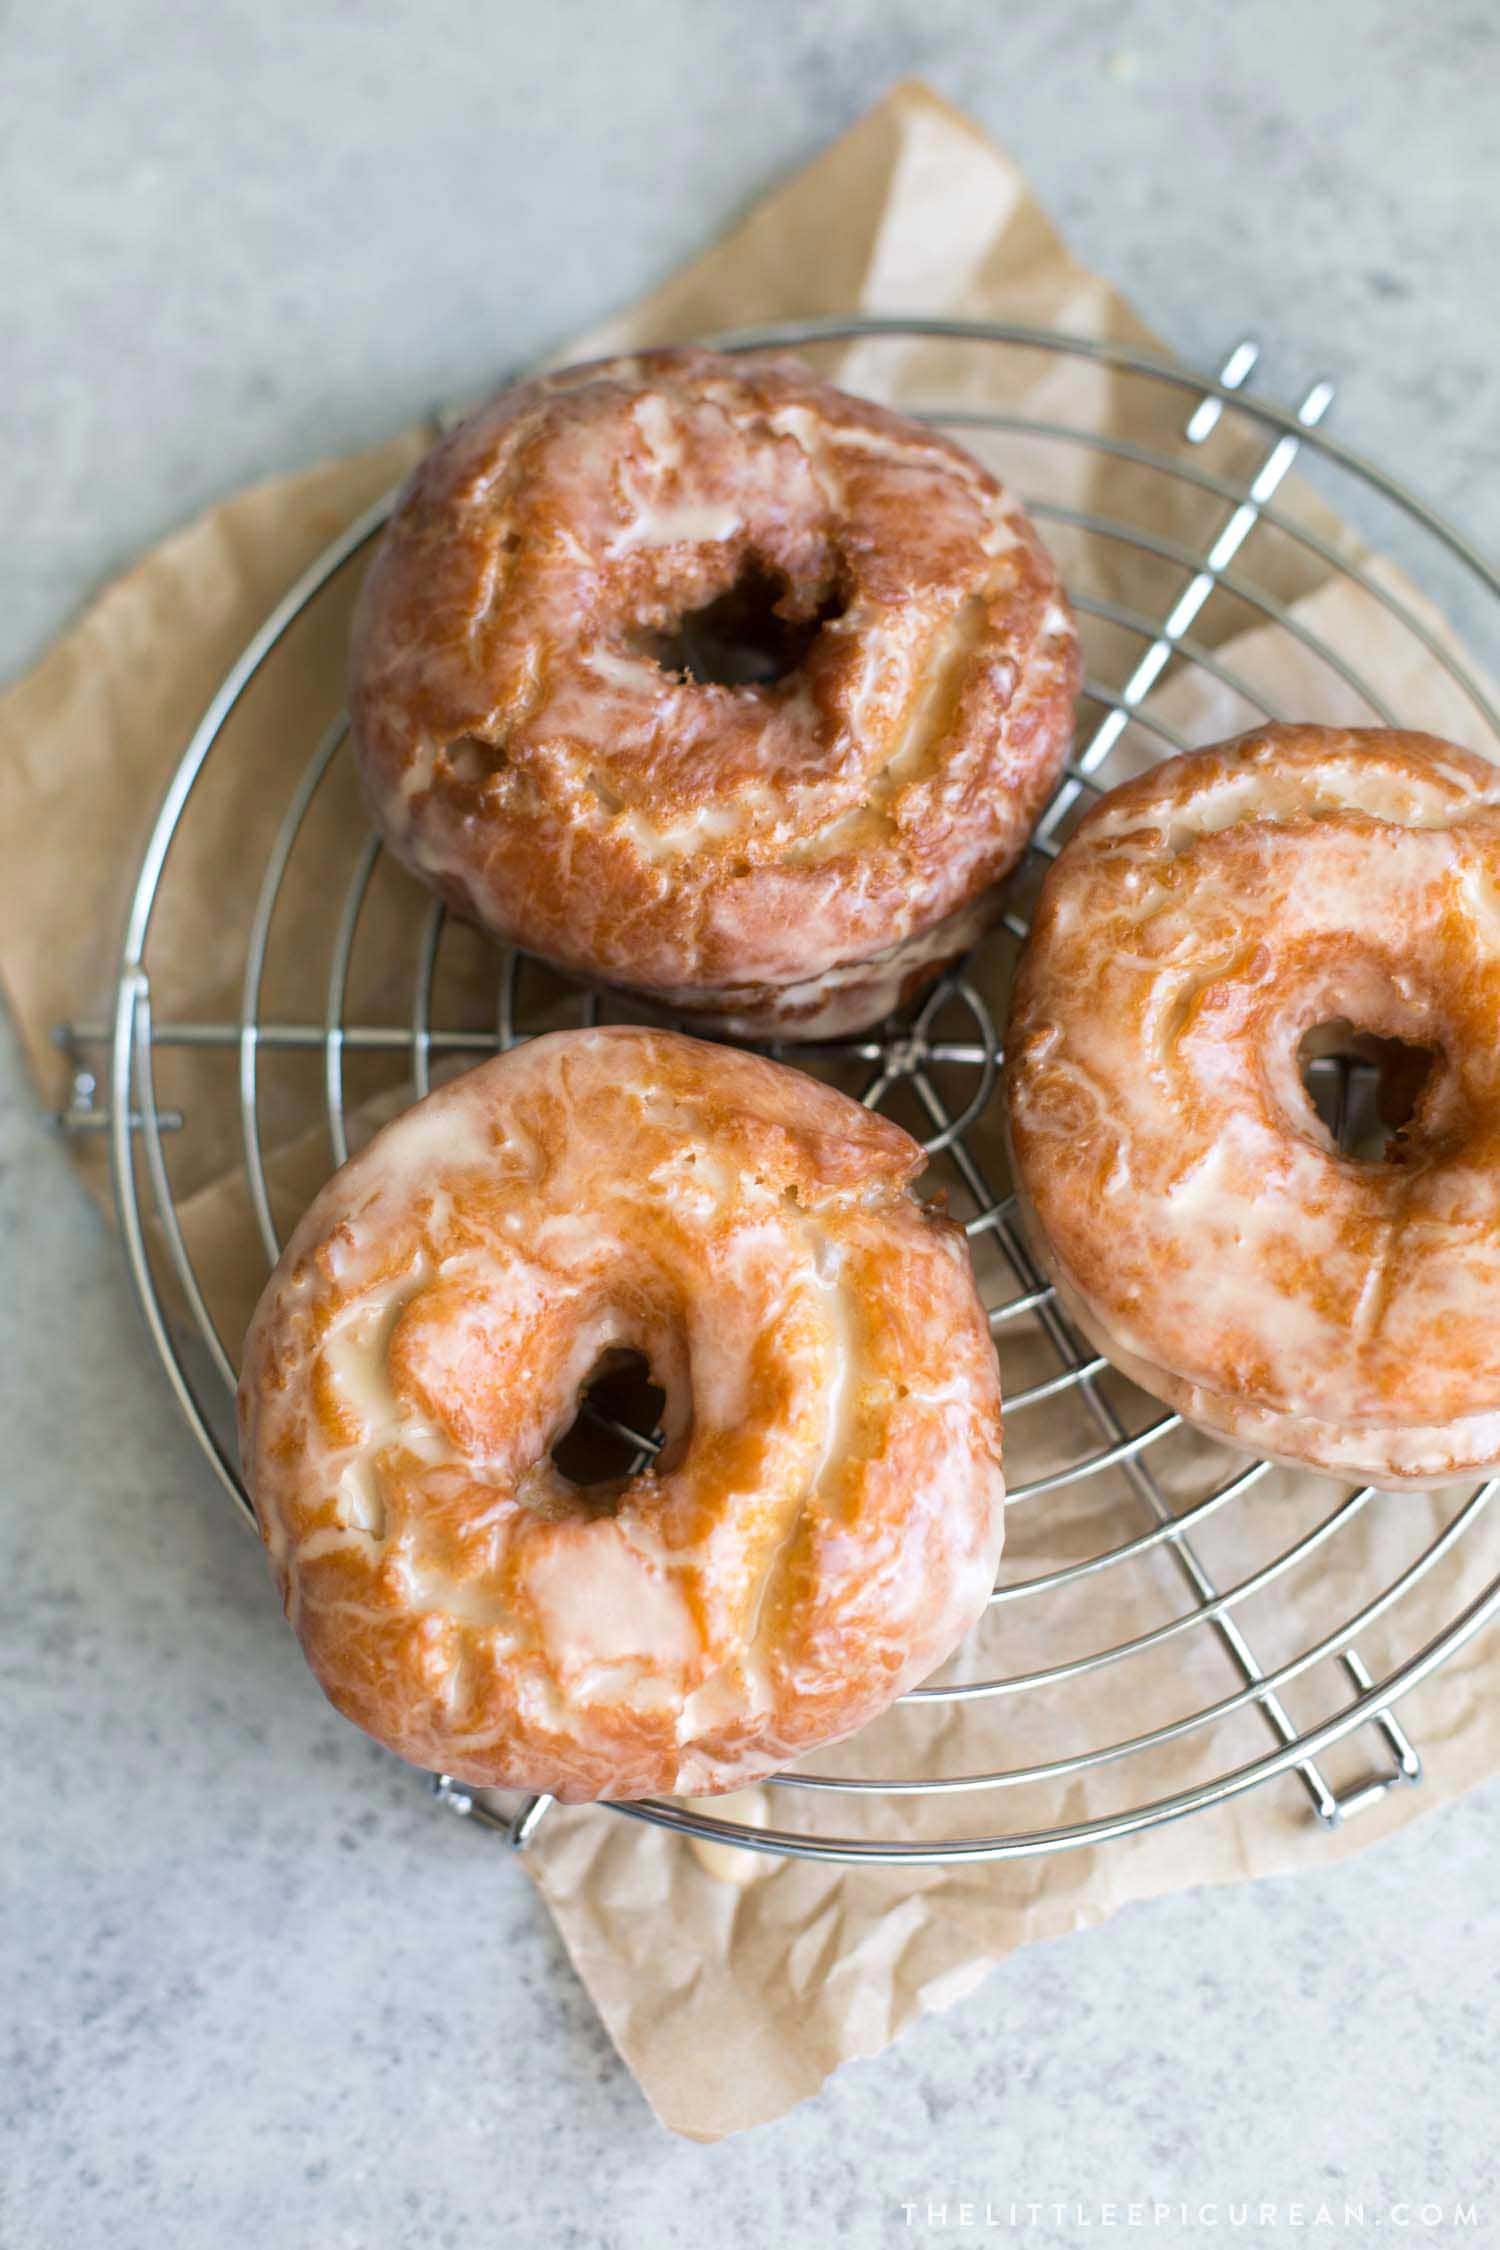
[
  {"x": 823, "y": 1522},
  {"x": 1201, "y": 1225},
  {"x": 720, "y": 848}
]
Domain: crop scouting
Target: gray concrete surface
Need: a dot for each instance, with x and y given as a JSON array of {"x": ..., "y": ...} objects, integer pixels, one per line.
[{"x": 255, "y": 1991}]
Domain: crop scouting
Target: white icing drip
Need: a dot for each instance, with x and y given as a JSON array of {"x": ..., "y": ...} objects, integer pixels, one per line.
[
  {"x": 815, "y": 434},
  {"x": 600, "y": 1602},
  {"x": 699, "y": 523},
  {"x": 744, "y": 1684},
  {"x": 628, "y": 1685},
  {"x": 427, "y": 1145},
  {"x": 356, "y": 1352},
  {"x": 656, "y": 522},
  {"x": 654, "y": 419},
  {"x": 933, "y": 706},
  {"x": 827, "y": 1262},
  {"x": 469, "y": 1602},
  {"x": 708, "y": 826},
  {"x": 632, "y": 675},
  {"x": 416, "y": 774},
  {"x": 1270, "y": 795},
  {"x": 999, "y": 538}
]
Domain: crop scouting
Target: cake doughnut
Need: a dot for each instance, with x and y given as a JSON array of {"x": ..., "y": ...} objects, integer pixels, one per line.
[
  {"x": 1201, "y": 926},
  {"x": 697, "y": 677},
  {"x": 823, "y": 1521}
]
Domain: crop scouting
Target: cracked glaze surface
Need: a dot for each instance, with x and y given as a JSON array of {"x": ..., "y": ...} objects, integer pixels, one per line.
[
  {"x": 1192, "y": 1207},
  {"x": 824, "y": 1521},
  {"x": 732, "y": 850}
]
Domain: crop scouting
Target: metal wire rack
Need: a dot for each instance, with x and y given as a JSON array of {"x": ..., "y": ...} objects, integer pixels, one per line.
[{"x": 1112, "y": 1503}]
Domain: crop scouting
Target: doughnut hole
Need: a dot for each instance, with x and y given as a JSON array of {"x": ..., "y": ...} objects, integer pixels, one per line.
[
  {"x": 463, "y": 1355},
  {"x": 756, "y": 634},
  {"x": 618, "y": 1404},
  {"x": 1370, "y": 1105},
  {"x": 1406, "y": 1093}
]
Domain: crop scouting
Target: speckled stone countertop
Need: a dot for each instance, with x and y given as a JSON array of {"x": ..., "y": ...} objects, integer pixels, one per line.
[{"x": 256, "y": 1990}]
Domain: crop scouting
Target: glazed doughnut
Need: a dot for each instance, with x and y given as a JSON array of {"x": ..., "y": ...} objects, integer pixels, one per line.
[
  {"x": 823, "y": 1521},
  {"x": 1201, "y": 1226},
  {"x": 565, "y": 717}
]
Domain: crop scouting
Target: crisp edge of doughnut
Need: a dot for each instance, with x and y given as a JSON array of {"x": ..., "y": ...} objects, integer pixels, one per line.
[
  {"x": 1361, "y": 1452},
  {"x": 843, "y": 1000}
]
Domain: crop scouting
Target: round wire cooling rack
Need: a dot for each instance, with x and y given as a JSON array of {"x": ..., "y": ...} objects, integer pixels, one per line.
[{"x": 1173, "y": 1626}]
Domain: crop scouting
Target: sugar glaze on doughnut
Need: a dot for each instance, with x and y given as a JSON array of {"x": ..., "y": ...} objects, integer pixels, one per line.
[
  {"x": 1199, "y": 1222},
  {"x": 737, "y": 851},
  {"x": 824, "y": 1521}
]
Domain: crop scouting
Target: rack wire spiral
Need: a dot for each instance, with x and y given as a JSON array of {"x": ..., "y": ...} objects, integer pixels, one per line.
[{"x": 1141, "y": 1502}]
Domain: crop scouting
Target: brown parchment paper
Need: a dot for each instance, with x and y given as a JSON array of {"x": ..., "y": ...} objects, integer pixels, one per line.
[{"x": 731, "y": 2002}]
